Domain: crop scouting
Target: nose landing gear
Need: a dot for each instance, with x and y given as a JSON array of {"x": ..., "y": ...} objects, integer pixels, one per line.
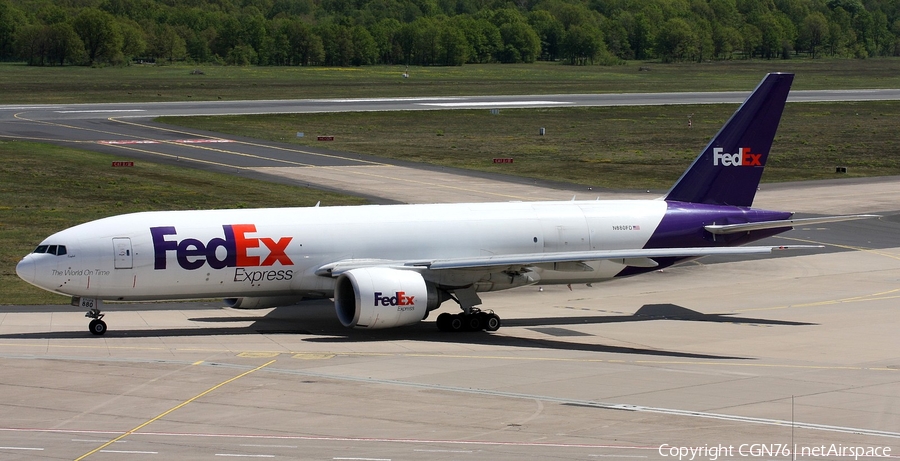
[{"x": 97, "y": 325}]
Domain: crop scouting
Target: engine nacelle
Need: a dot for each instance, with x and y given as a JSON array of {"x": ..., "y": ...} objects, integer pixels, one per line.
[
  {"x": 379, "y": 297},
  {"x": 262, "y": 303}
]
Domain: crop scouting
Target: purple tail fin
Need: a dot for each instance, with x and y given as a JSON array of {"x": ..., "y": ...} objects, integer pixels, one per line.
[{"x": 728, "y": 170}]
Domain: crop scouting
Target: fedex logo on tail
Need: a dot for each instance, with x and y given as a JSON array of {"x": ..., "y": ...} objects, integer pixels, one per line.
[
  {"x": 235, "y": 249},
  {"x": 742, "y": 158}
]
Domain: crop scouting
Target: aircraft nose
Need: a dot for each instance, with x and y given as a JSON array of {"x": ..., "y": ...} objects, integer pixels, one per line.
[{"x": 25, "y": 269}]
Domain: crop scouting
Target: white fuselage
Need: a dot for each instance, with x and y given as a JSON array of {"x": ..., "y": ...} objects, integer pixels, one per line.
[{"x": 276, "y": 252}]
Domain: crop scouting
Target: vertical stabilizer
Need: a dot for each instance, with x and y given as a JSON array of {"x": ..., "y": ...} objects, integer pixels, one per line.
[{"x": 728, "y": 170}]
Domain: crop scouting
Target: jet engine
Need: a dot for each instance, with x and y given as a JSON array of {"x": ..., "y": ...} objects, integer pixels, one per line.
[
  {"x": 262, "y": 302},
  {"x": 379, "y": 297}
]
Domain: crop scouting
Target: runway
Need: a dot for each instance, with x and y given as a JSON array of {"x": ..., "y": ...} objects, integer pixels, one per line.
[
  {"x": 731, "y": 359},
  {"x": 125, "y": 130}
]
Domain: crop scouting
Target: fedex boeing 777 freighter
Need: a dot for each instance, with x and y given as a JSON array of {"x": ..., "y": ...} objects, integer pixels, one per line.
[{"x": 387, "y": 266}]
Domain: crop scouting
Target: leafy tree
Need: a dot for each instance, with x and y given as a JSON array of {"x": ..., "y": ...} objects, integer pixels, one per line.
[
  {"x": 726, "y": 13},
  {"x": 386, "y": 34},
  {"x": 453, "y": 45},
  {"x": 772, "y": 36},
  {"x": 97, "y": 30},
  {"x": 550, "y": 30},
  {"x": 705, "y": 46},
  {"x": 63, "y": 44},
  {"x": 616, "y": 40},
  {"x": 31, "y": 44},
  {"x": 428, "y": 40},
  {"x": 11, "y": 19},
  {"x": 841, "y": 36},
  {"x": 165, "y": 43},
  {"x": 241, "y": 55},
  {"x": 726, "y": 40},
  {"x": 50, "y": 14},
  {"x": 133, "y": 42},
  {"x": 676, "y": 41},
  {"x": 882, "y": 38},
  {"x": 641, "y": 35},
  {"x": 482, "y": 37},
  {"x": 520, "y": 43},
  {"x": 338, "y": 44},
  {"x": 444, "y": 32},
  {"x": 306, "y": 47},
  {"x": 365, "y": 50},
  {"x": 752, "y": 40},
  {"x": 813, "y": 33},
  {"x": 581, "y": 45}
]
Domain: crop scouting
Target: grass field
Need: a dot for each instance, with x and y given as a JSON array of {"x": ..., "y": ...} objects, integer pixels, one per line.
[
  {"x": 611, "y": 147},
  {"x": 44, "y": 189},
  {"x": 22, "y": 84}
]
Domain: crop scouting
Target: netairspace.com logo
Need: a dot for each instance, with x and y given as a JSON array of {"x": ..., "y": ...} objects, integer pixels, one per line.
[{"x": 768, "y": 450}]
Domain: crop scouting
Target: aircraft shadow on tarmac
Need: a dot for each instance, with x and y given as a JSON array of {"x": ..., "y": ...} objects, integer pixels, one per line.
[
  {"x": 318, "y": 318},
  {"x": 650, "y": 312}
]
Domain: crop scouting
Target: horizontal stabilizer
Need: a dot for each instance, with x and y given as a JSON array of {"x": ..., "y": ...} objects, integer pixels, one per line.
[{"x": 753, "y": 226}]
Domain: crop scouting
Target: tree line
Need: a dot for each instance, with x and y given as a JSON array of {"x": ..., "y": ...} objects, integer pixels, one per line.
[{"x": 440, "y": 32}]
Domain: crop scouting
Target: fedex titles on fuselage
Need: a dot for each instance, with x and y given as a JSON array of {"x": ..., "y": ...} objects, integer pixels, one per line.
[
  {"x": 193, "y": 254},
  {"x": 742, "y": 158}
]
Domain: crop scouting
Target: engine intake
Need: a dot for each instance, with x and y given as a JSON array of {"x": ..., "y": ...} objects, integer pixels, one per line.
[{"x": 379, "y": 297}]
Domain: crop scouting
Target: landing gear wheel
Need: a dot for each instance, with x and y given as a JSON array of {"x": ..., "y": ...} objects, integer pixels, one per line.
[
  {"x": 474, "y": 323},
  {"x": 476, "y": 320},
  {"x": 443, "y": 321},
  {"x": 492, "y": 322},
  {"x": 97, "y": 327},
  {"x": 456, "y": 323}
]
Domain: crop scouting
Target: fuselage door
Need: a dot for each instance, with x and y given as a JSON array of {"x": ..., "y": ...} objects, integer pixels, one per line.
[{"x": 123, "y": 254}]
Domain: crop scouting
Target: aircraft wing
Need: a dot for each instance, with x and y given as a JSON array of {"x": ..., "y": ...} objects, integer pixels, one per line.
[
  {"x": 633, "y": 257},
  {"x": 746, "y": 227}
]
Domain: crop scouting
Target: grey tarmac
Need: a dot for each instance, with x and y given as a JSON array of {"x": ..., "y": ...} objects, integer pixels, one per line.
[
  {"x": 752, "y": 355},
  {"x": 717, "y": 359}
]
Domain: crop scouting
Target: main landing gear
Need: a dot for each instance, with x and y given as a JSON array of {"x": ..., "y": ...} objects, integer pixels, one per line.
[
  {"x": 97, "y": 325},
  {"x": 471, "y": 318},
  {"x": 476, "y": 320}
]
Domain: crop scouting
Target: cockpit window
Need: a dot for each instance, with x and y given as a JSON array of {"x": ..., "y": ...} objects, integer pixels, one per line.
[{"x": 58, "y": 250}]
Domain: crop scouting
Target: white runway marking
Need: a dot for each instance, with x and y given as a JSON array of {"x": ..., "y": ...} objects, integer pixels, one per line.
[
  {"x": 152, "y": 141},
  {"x": 449, "y": 98},
  {"x": 236, "y": 455},
  {"x": 494, "y": 104},
  {"x": 25, "y": 107},
  {"x": 267, "y": 446},
  {"x": 22, "y": 448},
  {"x": 363, "y": 459},
  {"x": 98, "y": 111},
  {"x": 131, "y": 452}
]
